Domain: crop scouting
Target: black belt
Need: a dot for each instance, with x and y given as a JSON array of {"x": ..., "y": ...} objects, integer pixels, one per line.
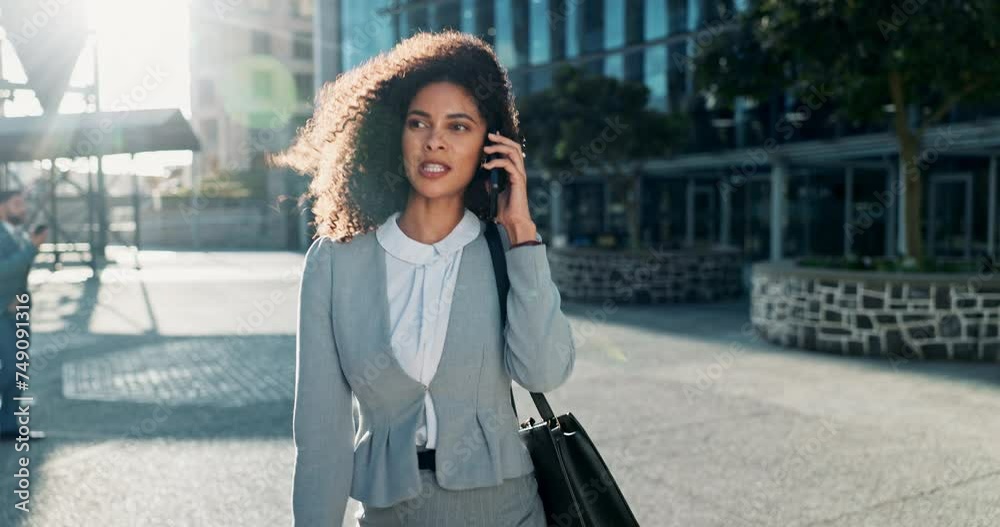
[{"x": 426, "y": 459}]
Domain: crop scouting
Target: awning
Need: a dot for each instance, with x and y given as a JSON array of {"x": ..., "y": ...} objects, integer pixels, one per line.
[
  {"x": 980, "y": 138},
  {"x": 89, "y": 134}
]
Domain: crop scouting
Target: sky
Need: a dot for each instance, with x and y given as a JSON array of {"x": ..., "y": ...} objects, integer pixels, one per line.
[{"x": 143, "y": 53}]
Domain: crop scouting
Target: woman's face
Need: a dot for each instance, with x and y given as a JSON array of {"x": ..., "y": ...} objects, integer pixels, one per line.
[{"x": 442, "y": 140}]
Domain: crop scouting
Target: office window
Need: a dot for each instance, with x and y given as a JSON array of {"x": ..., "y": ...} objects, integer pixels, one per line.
[
  {"x": 302, "y": 47},
  {"x": 262, "y": 84},
  {"x": 656, "y": 76},
  {"x": 614, "y": 24},
  {"x": 365, "y": 34},
  {"x": 304, "y": 87},
  {"x": 505, "y": 32},
  {"x": 540, "y": 51},
  {"x": 206, "y": 90},
  {"x": 614, "y": 66},
  {"x": 469, "y": 9},
  {"x": 260, "y": 43},
  {"x": 656, "y": 19}
]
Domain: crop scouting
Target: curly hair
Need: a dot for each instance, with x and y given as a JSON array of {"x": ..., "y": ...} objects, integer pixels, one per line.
[{"x": 351, "y": 147}]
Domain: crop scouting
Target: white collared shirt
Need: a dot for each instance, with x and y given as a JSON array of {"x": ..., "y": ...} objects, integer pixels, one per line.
[{"x": 420, "y": 285}]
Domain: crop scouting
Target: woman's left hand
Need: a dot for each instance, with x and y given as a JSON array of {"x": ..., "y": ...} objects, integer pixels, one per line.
[{"x": 512, "y": 204}]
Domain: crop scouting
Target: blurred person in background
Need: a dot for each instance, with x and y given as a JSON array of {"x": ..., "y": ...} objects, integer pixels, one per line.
[{"x": 17, "y": 252}]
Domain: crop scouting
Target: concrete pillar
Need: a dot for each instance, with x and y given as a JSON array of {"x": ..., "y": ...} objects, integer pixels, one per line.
[
  {"x": 991, "y": 218},
  {"x": 689, "y": 214},
  {"x": 848, "y": 209},
  {"x": 890, "y": 214},
  {"x": 725, "y": 214},
  {"x": 779, "y": 207}
]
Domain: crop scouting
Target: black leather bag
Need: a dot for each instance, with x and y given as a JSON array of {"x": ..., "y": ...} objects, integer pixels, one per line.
[{"x": 573, "y": 481}]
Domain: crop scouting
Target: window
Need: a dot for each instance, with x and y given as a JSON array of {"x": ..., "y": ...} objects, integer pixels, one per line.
[
  {"x": 304, "y": 87},
  {"x": 262, "y": 86},
  {"x": 539, "y": 28},
  {"x": 260, "y": 43},
  {"x": 302, "y": 48},
  {"x": 656, "y": 76},
  {"x": 656, "y": 19},
  {"x": 206, "y": 90}
]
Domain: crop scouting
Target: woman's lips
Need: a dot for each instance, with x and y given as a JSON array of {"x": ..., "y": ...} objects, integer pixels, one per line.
[{"x": 433, "y": 170}]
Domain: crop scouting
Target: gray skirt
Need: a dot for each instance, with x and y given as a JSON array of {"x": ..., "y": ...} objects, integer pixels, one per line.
[{"x": 515, "y": 503}]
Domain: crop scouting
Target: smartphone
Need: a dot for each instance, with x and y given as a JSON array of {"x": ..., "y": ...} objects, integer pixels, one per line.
[
  {"x": 40, "y": 228},
  {"x": 498, "y": 182}
]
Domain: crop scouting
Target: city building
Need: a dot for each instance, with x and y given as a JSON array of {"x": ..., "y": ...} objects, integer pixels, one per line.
[
  {"x": 252, "y": 86},
  {"x": 829, "y": 189}
]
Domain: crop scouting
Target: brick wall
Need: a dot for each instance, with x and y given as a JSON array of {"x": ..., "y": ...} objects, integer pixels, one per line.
[
  {"x": 646, "y": 277},
  {"x": 949, "y": 319}
]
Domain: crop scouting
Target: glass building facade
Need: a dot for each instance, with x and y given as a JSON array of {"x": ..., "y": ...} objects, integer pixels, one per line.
[{"x": 654, "y": 42}]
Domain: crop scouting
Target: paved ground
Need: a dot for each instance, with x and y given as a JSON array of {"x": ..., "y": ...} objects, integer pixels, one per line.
[{"x": 166, "y": 393}]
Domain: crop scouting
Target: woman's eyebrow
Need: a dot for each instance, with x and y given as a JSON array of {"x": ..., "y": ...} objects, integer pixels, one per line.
[{"x": 449, "y": 116}]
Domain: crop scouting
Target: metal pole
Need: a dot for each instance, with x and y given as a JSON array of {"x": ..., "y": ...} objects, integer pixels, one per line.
[
  {"x": 890, "y": 213},
  {"x": 779, "y": 179},
  {"x": 848, "y": 209},
  {"x": 689, "y": 214},
  {"x": 725, "y": 216},
  {"x": 54, "y": 220},
  {"x": 90, "y": 217},
  {"x": 135, "y": 200},
  {"x": 991, "y": 217}
]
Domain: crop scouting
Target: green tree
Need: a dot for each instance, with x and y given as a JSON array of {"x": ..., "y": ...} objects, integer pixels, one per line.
[
  {"x": 593, "y": 122},
  {"x": 917, "y": 59}
]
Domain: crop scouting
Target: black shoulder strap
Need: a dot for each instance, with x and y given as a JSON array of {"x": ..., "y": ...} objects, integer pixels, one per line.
[{"x": 503, "y": 286}]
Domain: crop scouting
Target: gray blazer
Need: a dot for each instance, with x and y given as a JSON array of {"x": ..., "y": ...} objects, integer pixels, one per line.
[{"x": 343, "y": 349}]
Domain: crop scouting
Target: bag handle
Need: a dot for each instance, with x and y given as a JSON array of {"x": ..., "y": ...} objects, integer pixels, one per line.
[{"x": 503, "y": 286}]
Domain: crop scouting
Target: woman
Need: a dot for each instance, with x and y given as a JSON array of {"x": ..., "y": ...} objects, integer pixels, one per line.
[{"x": 398, "y": 304}]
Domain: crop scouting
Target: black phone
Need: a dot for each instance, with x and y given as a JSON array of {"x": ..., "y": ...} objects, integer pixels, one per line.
[
  {"x": 497, "y": 182},
  {"x": 40, "y": 228}
]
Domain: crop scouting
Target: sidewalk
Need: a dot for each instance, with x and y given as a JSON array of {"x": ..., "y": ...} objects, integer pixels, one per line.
[{"x": 167, "y": 396}]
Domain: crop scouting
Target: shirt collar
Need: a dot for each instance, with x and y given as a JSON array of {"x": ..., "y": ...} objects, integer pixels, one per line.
[{"x": 398, "y": 244}]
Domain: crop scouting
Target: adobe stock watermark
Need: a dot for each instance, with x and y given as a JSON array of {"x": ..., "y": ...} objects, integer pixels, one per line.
[{"x": 901, "y": 13}]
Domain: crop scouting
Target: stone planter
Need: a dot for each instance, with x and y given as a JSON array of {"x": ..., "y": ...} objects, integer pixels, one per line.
[
  {"x": 650, "y": 276},
  {"x": 906, "y": 315}
]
